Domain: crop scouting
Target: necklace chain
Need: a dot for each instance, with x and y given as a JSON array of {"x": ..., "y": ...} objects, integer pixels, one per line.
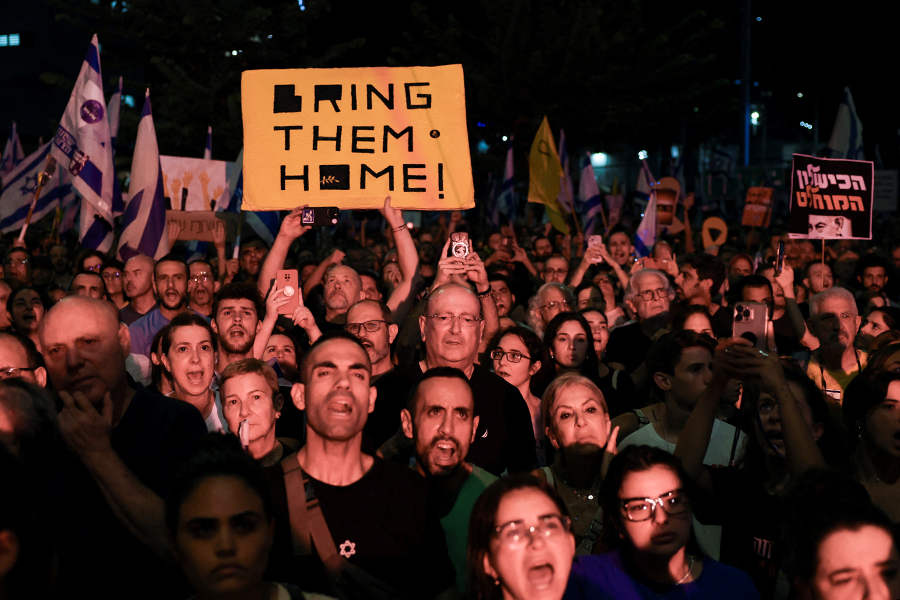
[{"x": 688, "y": 574}]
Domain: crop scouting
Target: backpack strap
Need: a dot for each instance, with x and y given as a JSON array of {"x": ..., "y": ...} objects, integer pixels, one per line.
[{"x": 296, "y": 499}]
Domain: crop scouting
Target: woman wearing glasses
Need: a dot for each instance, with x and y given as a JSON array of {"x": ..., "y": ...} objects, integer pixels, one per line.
[
  {"x": 647, "y": 524},
  {"x": 516, "y": 358},
  {"x": 520, "y": 542},
  {"x": 550, "y": 300}
]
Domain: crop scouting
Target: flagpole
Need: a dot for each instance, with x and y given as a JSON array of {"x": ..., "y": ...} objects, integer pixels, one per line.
[{"x": 43, "y": 178}]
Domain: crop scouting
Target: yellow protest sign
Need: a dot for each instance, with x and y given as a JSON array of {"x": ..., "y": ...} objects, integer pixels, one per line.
[{"x": 350, "y": 137}]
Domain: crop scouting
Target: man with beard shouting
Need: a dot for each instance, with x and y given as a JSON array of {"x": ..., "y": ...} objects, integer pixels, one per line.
[
  {"x": 440, "y": 419},
  {"x": 237, "y": 313},
  {"x": 203, "y": 285}
]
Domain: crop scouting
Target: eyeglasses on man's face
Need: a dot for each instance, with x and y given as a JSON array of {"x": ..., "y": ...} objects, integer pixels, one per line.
[
  {"x": 660, "y": 293},
  {"x": 516, "y": 534},
  {"x": 555, "y": 303},
  {"x": 512, "y": 356},
  {"x": 370, "y": 326},
  {"x": 446, "y": 320},
  {"x": 674, "y": 503},
  {"x": 555, "y": 272},
  {"x": 7, "y": 372}
]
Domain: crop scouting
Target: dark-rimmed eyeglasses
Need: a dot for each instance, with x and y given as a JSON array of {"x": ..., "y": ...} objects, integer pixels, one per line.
[
  {"x": 512, "y": 356},
  {"x": 674, "y": 503},
  {"x": 517, "y": 534},
  {"x": 649, "y": 295},
  {"x": 370, "y": 326},
  {"x": 446, "y": 320},
  {"x": 7, "y": 372}
]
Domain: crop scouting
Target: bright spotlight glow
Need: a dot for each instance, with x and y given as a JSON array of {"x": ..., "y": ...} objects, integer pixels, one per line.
[
  {"x": 599, "y": 159},
  {"x": 642, "y": 155}
]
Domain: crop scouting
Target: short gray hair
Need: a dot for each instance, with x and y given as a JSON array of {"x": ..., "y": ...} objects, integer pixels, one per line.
[
  {"x": 832, "y": 293},
  {"x": 631, "y": 290}
]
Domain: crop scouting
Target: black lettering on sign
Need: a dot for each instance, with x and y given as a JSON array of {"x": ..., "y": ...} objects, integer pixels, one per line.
[
  {"x": 426, "y": 97},
  {"x": 336, "y": 139},
  {"x": 287, "y": 133},
  {"x": 304, "y": 177},
  {"x": 440, "y": 179},
  {"x": 328, "y": 93},
  {"x": 334, "y": 177},
  {"x": 408, "y": 130},
  {"x": 354, "y": 145},
  {"x": 389, "y": 101},
  {"x": 352, "y": 96},
  {"x": 365, "y": 169},
  {"x": 285, "y": 100},
  {"x": 407, "y": 177}
]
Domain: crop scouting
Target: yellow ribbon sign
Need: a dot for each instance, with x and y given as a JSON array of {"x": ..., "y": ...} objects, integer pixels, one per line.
[{"x": 350, "y": 137}]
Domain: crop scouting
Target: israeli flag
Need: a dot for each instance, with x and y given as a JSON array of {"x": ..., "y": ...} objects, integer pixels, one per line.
[
  {"x": 144, "y": 222},
  {"x": 646, "y": 233},
  {"x": 590, "y": 196},
  {"x": 507, "y": 196},
  {"x": 83, "y": 145},
  {"x": 207, "y": 152},
  {"x": 566, "y": 196},
  {"x": 846, "y": 137},
  {"x": 18, "y": 191},
  {"x": 112, "y": 111},
  {"x": 12, "y": 154},
  {"x": 265, "y": 224}
]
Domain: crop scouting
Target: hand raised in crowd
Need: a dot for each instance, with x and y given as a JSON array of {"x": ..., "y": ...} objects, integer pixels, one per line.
[
  {"x": 85, "y": 430},
  {"x": 786, "y": 280},
  {"x": 593, "y": 255},
  {"x": 174, "y": 229},
  {"x": 742, "y": 361},
  {"x": 219, "y": 235},
  {"x": 447, "y": 267},
  {"x": 304, "y": 319},
  {"x": 519, "y": 254},
  {"x": 336, "y": 257},
  {"x": 232, "y": 266},
  {"x": 275, "y": 300},
  {"x": 394, "y": 216},
  {"x": 292, "y": 226},
  {"x": 475, "y": 270},
  {"x": 610, "y": 451},
  {"x": 500, "y": 255}
]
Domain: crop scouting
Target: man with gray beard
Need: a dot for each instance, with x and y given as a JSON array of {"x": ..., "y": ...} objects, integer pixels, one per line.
[{"x": 370, "y": 321}]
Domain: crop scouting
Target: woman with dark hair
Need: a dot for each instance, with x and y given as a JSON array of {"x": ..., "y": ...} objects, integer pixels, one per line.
[
  {"x": 876, "y": 321},
  {"x": 221, "y": 522},
  {"x": 568, "y": 346},
  {"x": 520, "y": 542},
  {"x": 160, "y": 379},
  {"x": 25, "y": 308},
  {"x": 871, "y": 411},
  {"x": 792, "y": 430},
  {"x": 886, "y": 358},
  {"x": 578, "y": 427},
  {"x": 646, "y": 504},
  {"x": 840, "y": 545},
  {"x": 188, "y": 347},
  {"x": 695, "y": 317},
  {"x": 516, "y": 356},
  {"x": 617, "y": 387}
]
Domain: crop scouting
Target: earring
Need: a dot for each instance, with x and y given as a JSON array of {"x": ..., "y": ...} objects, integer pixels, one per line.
[{"x": 496, "y": 581}]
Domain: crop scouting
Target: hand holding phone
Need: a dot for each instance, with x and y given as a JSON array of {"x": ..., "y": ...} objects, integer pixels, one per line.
[
  {"x": 287, "y": 283},
  {"x": 750, "y": 322}
]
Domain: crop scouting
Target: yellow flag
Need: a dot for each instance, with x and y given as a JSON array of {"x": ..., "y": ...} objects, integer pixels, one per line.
[{"x": 545, "y": 172}]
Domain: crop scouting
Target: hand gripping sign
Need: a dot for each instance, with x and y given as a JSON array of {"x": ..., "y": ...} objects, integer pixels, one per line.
[
  {"x": 350, "y": 137},
  {"x": 831, "y": 199}
]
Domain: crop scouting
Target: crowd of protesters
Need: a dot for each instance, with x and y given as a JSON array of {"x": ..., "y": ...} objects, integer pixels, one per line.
[{"x": 510, "y": 413}]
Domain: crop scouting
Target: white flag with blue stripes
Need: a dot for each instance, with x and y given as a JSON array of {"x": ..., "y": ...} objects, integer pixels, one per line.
[
  {"x": 82, "y": 145},
  {"x": 18, "y": 191},
  {"x": 646, "y": 233},
  {"x": 12, "y": 154},
  {"x": 846, "y": 137},
  {"x": 144, "y": 222},
  {"x": 590, "y": 196},
  {"x": 112, "y": 111}
]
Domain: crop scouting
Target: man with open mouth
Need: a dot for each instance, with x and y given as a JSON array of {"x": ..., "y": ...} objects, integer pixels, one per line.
[{"x": 441, "y": 421}]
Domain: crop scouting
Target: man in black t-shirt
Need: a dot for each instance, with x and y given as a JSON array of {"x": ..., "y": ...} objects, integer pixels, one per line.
[
  {"x": 123, "y": 447},
  {"x": 375, "y": 511}
]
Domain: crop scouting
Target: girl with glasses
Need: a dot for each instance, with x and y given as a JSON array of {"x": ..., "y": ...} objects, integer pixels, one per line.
[
  {"x": 515, "y": 354},
  {"x": 647, "y": 516},
  {"x": 520, "y": 542}
]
